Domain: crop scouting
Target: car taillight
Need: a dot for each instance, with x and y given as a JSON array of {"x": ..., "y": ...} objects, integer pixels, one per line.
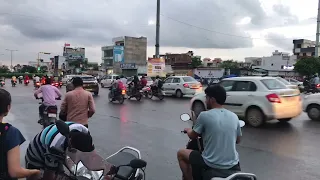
[
  {"x": 148, "y": 89},
  {"x": 274, "y": 98},
  {"x": 186, "y": 85},
  {"x": 318, "y": 85},
  {"x": 123, "y": 92},
  {"x": 200, "y": 85}
]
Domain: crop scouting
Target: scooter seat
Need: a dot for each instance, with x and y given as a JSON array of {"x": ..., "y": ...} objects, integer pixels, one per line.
[
  {"x": 215, "y": 173},
  {"x": 123, "y": 158}
]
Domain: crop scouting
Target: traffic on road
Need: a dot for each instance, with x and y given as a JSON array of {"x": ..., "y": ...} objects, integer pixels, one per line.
[{"x": 140, "y": 127}]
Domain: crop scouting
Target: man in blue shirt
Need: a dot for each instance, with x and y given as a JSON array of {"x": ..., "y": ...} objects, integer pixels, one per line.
[{"x": 220, "y": 130}]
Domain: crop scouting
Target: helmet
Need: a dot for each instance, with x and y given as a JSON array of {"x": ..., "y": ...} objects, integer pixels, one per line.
[{"x": 157, "y": 77}]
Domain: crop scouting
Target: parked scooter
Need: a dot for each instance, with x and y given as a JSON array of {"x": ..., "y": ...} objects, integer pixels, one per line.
[
  {"x": 197, "y": 145},
  {"x": 126, "y": 164},
  {"x": 118, "y": 95}
]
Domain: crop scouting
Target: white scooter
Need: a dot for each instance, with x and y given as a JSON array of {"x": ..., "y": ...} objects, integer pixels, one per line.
[{"x": 235, "y": 176}]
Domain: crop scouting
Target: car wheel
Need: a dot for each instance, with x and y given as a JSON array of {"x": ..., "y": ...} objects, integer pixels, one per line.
[
  {"x": 255, "y": 117},
  {"x": 198, "y": 107},
  {"x": 102, "y": 85},
  {"x": 314, "y": 112},
  {"x": 285, "y": 119},
  {"x": 179, "y": 94}
]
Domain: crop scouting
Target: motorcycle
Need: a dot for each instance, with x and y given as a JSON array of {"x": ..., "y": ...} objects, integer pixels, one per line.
[
  {"x": 117, "y": 96},
  {"x": 57, "y": 84},
  {"x": 37, "y": 85},
  {"x": 126, "y": 164},
  {"x": 157, "y": 93},
  {"x": 2, "y": 83},
  {"x": 146, "y": 90},
  {"x": 20, "y": 81},
  {"x": 13, "y": 83},
  {"x": 26, "y": 82},
  {"x": 50, "y": 114},
  {"x": 138, "y": 93},
  {"x": 197, "y": 145}
]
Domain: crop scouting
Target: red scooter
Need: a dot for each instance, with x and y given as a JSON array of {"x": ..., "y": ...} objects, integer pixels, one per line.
[{"x": 26, "y": 82}]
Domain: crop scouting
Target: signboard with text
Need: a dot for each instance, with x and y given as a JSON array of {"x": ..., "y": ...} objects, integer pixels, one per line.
[
  {"x": 128, "y": 66},
  {"x": 156, "y": 67}
]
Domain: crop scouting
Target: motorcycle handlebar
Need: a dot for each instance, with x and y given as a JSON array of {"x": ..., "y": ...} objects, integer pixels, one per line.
[{"x": 185, "y": 132}]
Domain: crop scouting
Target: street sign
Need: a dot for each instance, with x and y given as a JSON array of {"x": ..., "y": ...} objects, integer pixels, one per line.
[{"x": 128, "y": 66}]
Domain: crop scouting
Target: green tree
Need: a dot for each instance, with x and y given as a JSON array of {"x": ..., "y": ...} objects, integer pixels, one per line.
[
  {"x": 229, "y": 64},
  {"x": 4, "y": 69},
  {"x": 196, "y": 61},
  {"x": 307, "y": 66},
  {"x": 29, "y": 69}
]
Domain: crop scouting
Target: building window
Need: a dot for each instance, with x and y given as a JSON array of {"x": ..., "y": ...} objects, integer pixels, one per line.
[
  {"x": 313, "y": 53},
  {"x": 282, "y": 66},
  {"x": 304, "y": 54},
  {"x": 272, "y": 64},
  {"x": 299, "y": 46}
]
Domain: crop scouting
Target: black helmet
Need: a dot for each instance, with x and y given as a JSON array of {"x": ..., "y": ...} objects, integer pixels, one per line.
[
  {"x": 117, "y": 77},
  {"x": 157, "y": 77}
]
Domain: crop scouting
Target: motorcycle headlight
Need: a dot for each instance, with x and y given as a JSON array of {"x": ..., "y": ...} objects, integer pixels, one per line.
[{"x": 84, "y": 172}]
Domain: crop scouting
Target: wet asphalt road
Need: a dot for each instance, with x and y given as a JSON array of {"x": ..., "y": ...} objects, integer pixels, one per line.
[{"x": 275, "y": 151}]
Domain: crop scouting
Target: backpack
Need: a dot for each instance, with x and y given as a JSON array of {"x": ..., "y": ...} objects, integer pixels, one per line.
[
  {"x": 160, "y": 83},
  {"x": 3, "y": 154}
]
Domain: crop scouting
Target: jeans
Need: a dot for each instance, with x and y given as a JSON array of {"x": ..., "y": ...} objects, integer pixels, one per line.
[{"x": 42, "y": 107}]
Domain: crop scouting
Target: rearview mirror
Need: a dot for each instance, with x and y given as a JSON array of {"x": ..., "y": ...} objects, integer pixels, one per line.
[
  {"x": 138, "y": 163},
  {"x": 63, "y": 128},
  {"x": 242, "y": 123},
  {"x": 185, "y": 117}
]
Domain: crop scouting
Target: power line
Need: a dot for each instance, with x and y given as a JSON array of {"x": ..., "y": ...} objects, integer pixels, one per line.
[{"x": 226, "y": 34}]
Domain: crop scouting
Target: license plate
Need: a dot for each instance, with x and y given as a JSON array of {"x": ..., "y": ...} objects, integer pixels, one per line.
[
  {"x": 290, "y": 98},
  {"x": 194, "y": 86},
  {"x": 141, "y": 91},
  {"x": 52, "y": 115}
]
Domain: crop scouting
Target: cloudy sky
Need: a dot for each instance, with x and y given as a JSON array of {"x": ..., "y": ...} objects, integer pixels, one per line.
[{"x": 229, "y": 29}]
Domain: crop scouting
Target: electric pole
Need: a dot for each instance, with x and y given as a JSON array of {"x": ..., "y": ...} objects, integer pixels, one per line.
[
  {"x": 158, "y": 30},
  {"x": 318, "y": 33},
  {"x": 11, "y": 50}
]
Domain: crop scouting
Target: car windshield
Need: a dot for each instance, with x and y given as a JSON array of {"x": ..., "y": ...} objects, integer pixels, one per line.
[
  {"x": 188, "y": 79},
  {"x": 88, "y": 78},
  {"x": 273, "y": 84},
  {"x": 283, "y": 81}
]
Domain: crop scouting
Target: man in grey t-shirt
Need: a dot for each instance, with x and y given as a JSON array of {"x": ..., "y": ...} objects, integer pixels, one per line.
[{"x": 220, "y": 131}]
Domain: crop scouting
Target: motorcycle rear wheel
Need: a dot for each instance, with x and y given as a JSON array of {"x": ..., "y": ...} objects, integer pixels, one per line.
[
  {"x": 121, "y": 99},
  {"x": 110, "y": 97},
  {"x": 138, "y": 97},
  {"x": 150, "y": 95}
]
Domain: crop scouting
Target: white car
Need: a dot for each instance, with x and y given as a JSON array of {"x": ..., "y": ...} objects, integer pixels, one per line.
[
  {"x": 67, "y": 78},
  {"x": 107, "y": 80},
  {"x": 181, "y": 85},
  {"x": 311, "y": 105},
  {"x": 256, "y": 99},
  {"x": 287, "y": 83}
]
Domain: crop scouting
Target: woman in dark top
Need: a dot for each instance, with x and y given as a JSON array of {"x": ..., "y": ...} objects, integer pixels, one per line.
[{"x": 10, "y": 141}]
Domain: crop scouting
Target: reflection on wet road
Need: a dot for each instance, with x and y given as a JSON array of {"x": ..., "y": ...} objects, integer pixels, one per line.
[{"x": 275, "y": 151}]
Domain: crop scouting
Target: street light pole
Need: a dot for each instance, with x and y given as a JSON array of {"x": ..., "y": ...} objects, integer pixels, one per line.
[
  {"x": 318, "y": 33},
  {"x": 158, "y": 30},
  {"x": 11, "y": 52}
]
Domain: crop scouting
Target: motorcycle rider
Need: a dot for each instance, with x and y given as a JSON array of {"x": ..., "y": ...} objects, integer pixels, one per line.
[
  {"x": 115, "y": 86},
  {"x": 49, "y": 94},
  {"x": 13, "y": 79},
  {"x": 26, "y": 79},
  {"x": 156, "y": 84},
  {"x": 79, "y": 138},
  {"x": 220, "y": 130},
  {"x": 20, "y": 79},
  {"x": 143, "y": 81},
  {"x": 123, "y": 79}
]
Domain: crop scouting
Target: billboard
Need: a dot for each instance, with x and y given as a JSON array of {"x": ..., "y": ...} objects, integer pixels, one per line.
[
  {"x": 156, "y": 67},
  {"x": 74, "y": 54},
  {"x": 118, "y": 54}
]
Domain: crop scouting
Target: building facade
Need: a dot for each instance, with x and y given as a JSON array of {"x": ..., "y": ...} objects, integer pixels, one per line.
[
  {"x": 279, "y": 63},
  {"x": 303, "y": 48},
  {"x": 125, "y": 56}
]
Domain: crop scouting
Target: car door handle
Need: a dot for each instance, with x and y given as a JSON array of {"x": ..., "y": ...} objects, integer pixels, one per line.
[
  {"x": 251, "y": 95},
  {"x": 177, "y": 84}
]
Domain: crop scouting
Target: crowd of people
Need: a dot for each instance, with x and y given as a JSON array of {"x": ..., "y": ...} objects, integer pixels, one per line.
[{"x": 218, "y": 127}]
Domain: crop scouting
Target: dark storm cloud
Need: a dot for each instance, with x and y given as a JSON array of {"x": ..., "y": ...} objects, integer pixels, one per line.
[{"x": 184, "y": 23}]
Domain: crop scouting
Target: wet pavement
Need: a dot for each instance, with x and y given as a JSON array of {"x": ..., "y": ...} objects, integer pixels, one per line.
[{"x": 275, "y": 151}]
